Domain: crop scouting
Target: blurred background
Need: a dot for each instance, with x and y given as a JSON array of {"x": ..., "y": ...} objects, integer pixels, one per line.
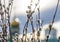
[{"x": 47, "y": 9}]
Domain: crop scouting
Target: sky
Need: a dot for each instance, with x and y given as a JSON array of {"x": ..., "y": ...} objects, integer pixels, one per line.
[
  {"x": 20, "y": 6},
  {"x": 47, "y": 8}
]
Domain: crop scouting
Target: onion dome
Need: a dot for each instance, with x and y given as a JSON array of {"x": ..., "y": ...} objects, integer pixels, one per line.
[{"x": 15, "y": 23}]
